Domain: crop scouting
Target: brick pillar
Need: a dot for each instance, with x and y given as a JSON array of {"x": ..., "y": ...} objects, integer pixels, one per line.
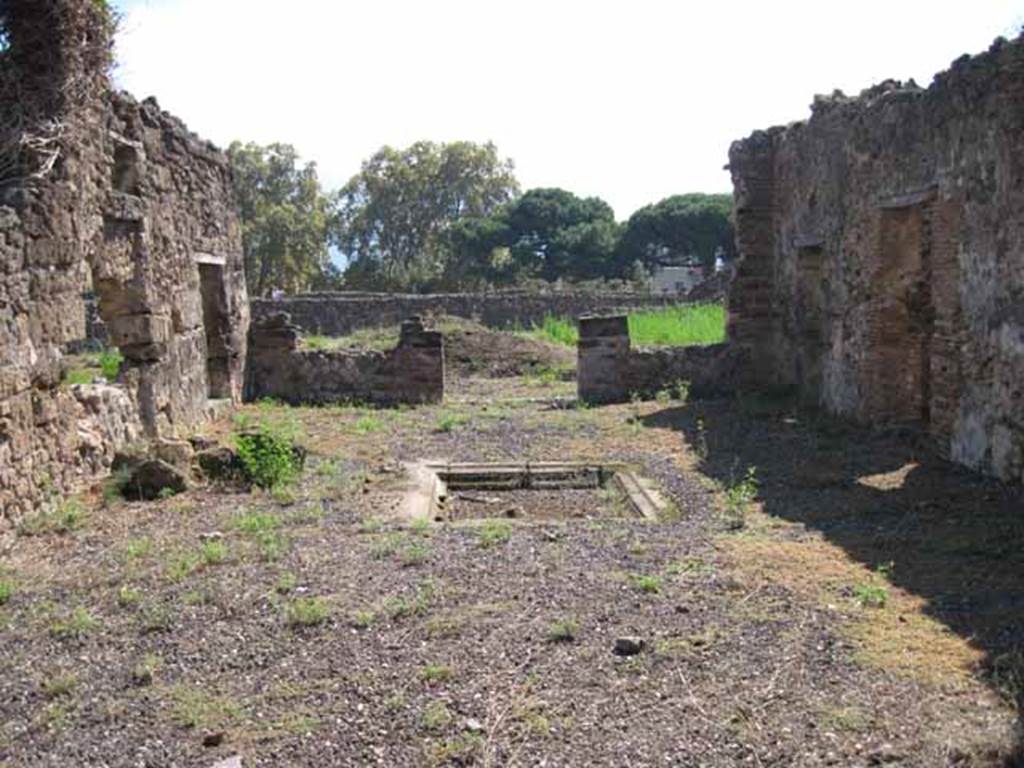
[{"x": 603, "y": 359}]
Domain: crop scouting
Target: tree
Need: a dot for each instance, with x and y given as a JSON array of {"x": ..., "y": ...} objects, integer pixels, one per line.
[
  {"x": 285, "y": 218},
  {"x": 683, "y": 229},
  {"x": 394, "y": 216},
  {"x": 555, "y": 234}
]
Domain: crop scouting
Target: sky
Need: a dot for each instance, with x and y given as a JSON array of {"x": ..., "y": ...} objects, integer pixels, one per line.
[{"x": 631, "y": 101}]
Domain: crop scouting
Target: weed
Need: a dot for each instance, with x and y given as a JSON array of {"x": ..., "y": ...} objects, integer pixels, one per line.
[
  {"x": 414, "y": 553},
  {"x": 166, "y": 493},
  {"x": 307, "y": 612},
  {"x": 253, "y": 523},
  {"x": 647, "y": 583},
  {"x": 271, "y": 545},
  {"x": 367, "y": 424},
  {"x": 421, "y": 526},
  {"x": 59, "y": 685},
  {"x": 702, "y": 440},
  {"x": 156, "y": 618},
  {"x": 493, "y": 532},
  {"x": 663, "y": 396},
  {"x": 387, "y": 545},
  {"x": 110, "y": 363},
  {"x": 214, "y": 552},
  {"x": 6, "y": 591},
  {"x": 871, "y": 595},
  {"x": 145, "y": 671},
  {"x": 76, "y": 626},
  {"x": 67, "y": 516},
  {"x": 449, "y": 421},
  {"x": 562, "y": 631},
  {"x": 435, "y": 673},
  {"x": 1006, "y": 671},
  {"x": 193, "y": 708},
  {"x": 268, "y": 455},
  {"x": 436, "y": 716},
  {"x": 136, "y": 549},
  {"x": 113, "y": 486},
  {"x": 283, "y": 495},
  {"x": 128, "y": 597},
  {"x": 183, "y": 566},
  {"x": 79, "y": 376},
  {"x": 286, "y": 582},
  {"x": 459, "y": 750},
  {"x": 371, "y": 525},
  {"x": 363, "y": 619},
  {"x": 738, "y": 497}
]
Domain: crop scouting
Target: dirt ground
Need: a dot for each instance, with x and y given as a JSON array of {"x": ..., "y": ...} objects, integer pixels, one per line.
[{"x": 851, "y": 601}]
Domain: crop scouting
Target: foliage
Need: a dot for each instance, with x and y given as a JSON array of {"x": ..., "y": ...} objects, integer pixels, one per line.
[
  {"x": 562, "y": 631},
  {"x": 682, "y": 229},
  {"x": 494, "y": 532},
  {"x": 77, "y": 625},
  {"x": 268, "y": 456},
  {"x": 394, "y": 215},
  {"x": 285, "y": 218},
  {"x": 738, "y": 496},
  {"x": 6, "y": 591},
  {"x": 307, "y": 612},
  {"x": 647, "y": 583},
  {"x": 110, "y": 363},
  {"x": 668, "y": 327},
  {"x": 67, "y": 516},
  {"x": 871, "y": 595}
]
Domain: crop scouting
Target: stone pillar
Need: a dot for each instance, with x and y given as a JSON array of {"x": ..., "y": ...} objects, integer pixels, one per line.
[
  {"x": 602, "y": 365},
  {"x": 418, "y": 362}
]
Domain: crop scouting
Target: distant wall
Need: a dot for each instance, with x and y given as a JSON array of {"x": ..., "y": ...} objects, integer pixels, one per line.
[
  {"x": 609, "y": 370},
  {"x": 278, "y": 367},
  {"x": 338, "y": 314}
]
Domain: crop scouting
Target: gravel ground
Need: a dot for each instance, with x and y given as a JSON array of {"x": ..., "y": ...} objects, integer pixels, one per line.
[{"x": 314, "y": 627}]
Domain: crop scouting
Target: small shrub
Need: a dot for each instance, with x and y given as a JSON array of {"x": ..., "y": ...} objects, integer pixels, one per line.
[
  {"x": 494, "y": 532},
  {"x": 79, "y": 624},
  {"x": 435, "y": 673},
  {"x": 436, "y": 716},
  {"x": 562, "y": 631},
  {"x": 59, "y": 685},
  {"x": 110, "y": 363},
  {"x": 214, "y": 552},
  {"x": 647, "y": 583},
  {"x": 682, "y": 391},
  {"x": 307, "y": 612},
  {"x": 128, "y": 596},
  {"x": 268, "y": 456},
  {"x": 871, "y": 595},
  {"x": 738, "y": 497}
]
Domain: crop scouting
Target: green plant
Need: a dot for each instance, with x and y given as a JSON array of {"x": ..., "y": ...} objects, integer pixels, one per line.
[
  {"x": 137, "y": 548},
  {"x": 387, "y": 545},
  {"x": 67, "y": 516},
  {"x": 128, "y": 596},
  {"x": 562, "y": 631},
  {"x": 366, "y": 424},
  {"x": 682, "y": 391},
  {"x": 214, "y": 552},
  {"x": 166, "y": 493},
  {"x": 286, "y": 582},
  {"x": 371, "y": 525},
  {"x": 6, "y": 591},
  {"x": 271, "y": 545},
  {"x": 182, "y": 566},
  {"x": 493, "y": 532},
  {"x": 435, "y": 673},
  {"x": 268, "y": 456},
  {"x": 145, "y": 671},
  {"x": 449, "y": 421},
  {"x": 871, "y": 595},
  {"x": 647, "y": 583},
  {"x": 253, "y": 522},
  {"x": 363, "y": 619},
  {"x": 414, "y": 553},
  {"x": 307, "y": 612},
  {"x": 110, "y": 363},
  {"x": 193, "y": 708},
  {"x": 79, "y": 376},
  {"x": 60, "y": 684},
  {"x": 79, "y": 624},
  {"x": 436, "y": 716},
  {"x": 113, "y": 486},
  {"x": 738, "y": 497}
]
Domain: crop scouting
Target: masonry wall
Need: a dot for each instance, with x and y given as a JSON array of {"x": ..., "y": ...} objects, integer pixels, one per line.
[
  {"x": 610, "y": 370},
  {"x": 881, "y": 257},
  {"x": 279, "y": 368},
  {"x": 124, "y": 201},
  {"x": 338, "y": 314}
]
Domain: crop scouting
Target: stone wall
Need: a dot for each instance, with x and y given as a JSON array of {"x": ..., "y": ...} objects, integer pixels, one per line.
[
  {"x": 881, "y": 256},
  {"x": 279, "y": 368},
  {"x": 338, "y": 314},
  {"x": 122, "y": 201},
  {"x": 609, "y": 370}
]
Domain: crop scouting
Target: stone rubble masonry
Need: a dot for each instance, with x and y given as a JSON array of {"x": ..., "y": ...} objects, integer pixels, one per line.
[
  {"x": 881, "y": 257},
  {"x": 339, "y": 314},
  {"x": 138, "y": 211},
  {"x": 413, "y": 372},
  {"x": 609, "y": 370}
]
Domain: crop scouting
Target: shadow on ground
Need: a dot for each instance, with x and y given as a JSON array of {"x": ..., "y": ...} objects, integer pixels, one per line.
[{"x": 953, "y": 537}]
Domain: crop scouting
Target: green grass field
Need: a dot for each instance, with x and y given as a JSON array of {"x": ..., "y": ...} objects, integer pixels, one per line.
[{"x": 670, "y": 327}]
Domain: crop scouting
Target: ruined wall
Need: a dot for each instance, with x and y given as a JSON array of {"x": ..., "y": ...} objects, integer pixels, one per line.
[
  {"x": 338, "y": 314},
  {"x": 413, "y": 372},
  {"x": 610, "y": 370},
  {"x": 117, "y": 197},
  {"x": 881, "y": 268}
]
